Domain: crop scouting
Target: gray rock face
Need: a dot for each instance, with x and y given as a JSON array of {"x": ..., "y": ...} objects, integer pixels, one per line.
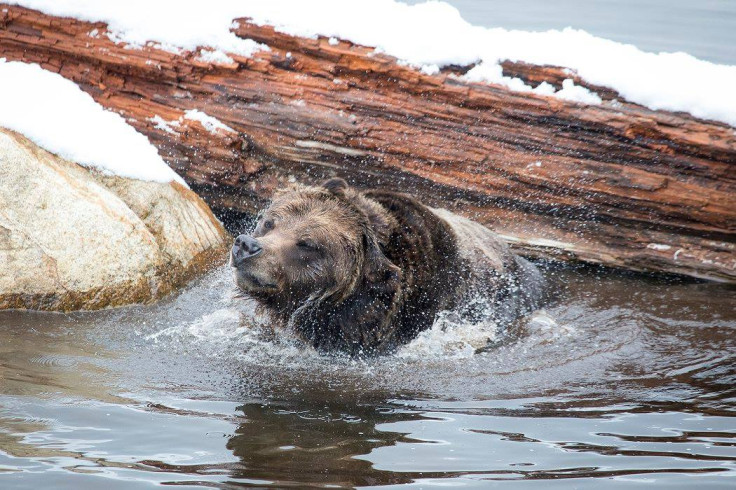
[{"x": 72, "y": 238}]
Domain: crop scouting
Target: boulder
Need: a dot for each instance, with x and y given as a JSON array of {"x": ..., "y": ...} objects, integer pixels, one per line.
[{"x": 73, "y": 238}]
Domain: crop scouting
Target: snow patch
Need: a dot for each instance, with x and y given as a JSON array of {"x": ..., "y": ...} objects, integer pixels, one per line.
[
  {"x": 58, "y": 116},
  {"x": 168, "y": 126},
  {"x": 215, "y": 56},
  {"x": 174, "y": 25},
  {"x": 428, "y": 34},
  {"x": 430, "y": 69},
  {"x": 576, "y": 93},
  {"x": 211, "y": 124},
  {"x": 434, "y": 33},
  {"x": 493, "y": 73},
  {"x": 118, "y": 39},
  {"x": 168, "y": 47}
]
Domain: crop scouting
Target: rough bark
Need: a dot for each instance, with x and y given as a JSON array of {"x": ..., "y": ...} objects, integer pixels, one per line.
[{"x": 616, "y": 184}]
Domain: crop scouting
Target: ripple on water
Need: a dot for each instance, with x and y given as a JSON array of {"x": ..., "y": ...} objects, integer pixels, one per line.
[{"x": 621, "y": 380}]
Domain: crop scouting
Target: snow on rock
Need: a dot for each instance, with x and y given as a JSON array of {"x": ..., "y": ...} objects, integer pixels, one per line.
[
  {"x": 211, "y": 124},
  {"x": 74, "y": 239},
  {"x": 58, "y": 116},
  {"x": 427, "y": 35}
]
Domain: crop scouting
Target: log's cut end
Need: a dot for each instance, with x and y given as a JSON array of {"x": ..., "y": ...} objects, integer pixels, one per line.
[{"x": 615, "y": 183}]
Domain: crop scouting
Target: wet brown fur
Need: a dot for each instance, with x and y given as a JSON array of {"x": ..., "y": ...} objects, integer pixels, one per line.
[{"x": 360, "y": 273}]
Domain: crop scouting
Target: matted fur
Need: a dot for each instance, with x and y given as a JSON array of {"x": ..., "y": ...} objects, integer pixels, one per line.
[{"x": 364, "y": 272}]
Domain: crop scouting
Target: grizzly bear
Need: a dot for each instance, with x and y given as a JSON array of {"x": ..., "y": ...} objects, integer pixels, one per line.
[{"x": 364, "y": 272}]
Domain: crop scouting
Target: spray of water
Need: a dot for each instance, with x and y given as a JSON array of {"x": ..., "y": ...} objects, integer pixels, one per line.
[{"x": 212, "y": 318}]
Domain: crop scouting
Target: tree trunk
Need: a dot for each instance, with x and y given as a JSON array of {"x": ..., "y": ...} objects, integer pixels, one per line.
[{"x": 615, "y": 184}]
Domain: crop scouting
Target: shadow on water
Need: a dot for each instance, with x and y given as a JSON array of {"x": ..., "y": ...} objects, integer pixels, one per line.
[{"x": 622, "y": 379}]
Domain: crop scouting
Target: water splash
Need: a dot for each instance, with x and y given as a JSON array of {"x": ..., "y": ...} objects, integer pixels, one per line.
[
  {"x": 546, "y": 328},
  {"x": 213, "y": 322},
  {"x": 451, "y": 336}
]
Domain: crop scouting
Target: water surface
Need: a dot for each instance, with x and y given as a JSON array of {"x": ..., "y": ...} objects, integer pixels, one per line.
[
  {"x": 624, "y": 380},
  {"x": 705, "y": 29}
]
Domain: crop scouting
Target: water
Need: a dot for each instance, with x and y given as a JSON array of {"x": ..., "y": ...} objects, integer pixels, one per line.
[
  {"x": 623, "y": 380},
  {"x": 705, "y": 29}
]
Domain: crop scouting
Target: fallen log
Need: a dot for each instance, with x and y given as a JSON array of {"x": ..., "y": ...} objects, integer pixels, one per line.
[{"x": 615, "y": 184}]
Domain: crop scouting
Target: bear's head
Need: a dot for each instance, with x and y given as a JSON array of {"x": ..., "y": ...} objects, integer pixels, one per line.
[{"x": 314, "y": 259}]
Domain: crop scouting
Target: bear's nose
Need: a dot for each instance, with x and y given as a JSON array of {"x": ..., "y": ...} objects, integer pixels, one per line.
[{"x": 245, "y": 246}]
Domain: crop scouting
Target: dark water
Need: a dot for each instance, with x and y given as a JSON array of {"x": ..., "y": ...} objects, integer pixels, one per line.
[
  {"x": 624, "y": 381},
  {"x": 705, "y": 29}
]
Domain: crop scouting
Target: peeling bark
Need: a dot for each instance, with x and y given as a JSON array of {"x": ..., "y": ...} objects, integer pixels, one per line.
[{"x": 615, "y": 184}]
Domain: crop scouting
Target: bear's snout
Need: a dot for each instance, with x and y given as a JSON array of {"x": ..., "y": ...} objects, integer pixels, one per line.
[{"x": 245, "y": 247}]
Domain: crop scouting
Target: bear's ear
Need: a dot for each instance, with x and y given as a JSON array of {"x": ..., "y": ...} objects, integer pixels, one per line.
[{"x": 336, "y": 186}]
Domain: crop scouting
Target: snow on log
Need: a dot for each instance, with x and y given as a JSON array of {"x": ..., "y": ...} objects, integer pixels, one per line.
[{"x": 613, "y": 183}]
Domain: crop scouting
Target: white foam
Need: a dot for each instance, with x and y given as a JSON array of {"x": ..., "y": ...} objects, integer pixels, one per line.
[
  {"x": 546, "y": 329},
  {"x": 450, "y": 337},
  {"x": 58, "y": 116},
  {"x": 223, "y": 324},
  {"x": 453, "y": 336},
  {"x": 235, "y": 333}
]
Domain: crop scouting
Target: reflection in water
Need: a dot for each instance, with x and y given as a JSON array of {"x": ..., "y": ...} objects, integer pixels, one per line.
[
  {"x": 625, "y": 378},
  {"x": 314, "y": 446}
]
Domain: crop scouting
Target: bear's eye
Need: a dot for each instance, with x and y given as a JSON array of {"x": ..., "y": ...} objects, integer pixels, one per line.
[
  {"x": 307, "y": 245},
  {"x": 268, "y": 224}
]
